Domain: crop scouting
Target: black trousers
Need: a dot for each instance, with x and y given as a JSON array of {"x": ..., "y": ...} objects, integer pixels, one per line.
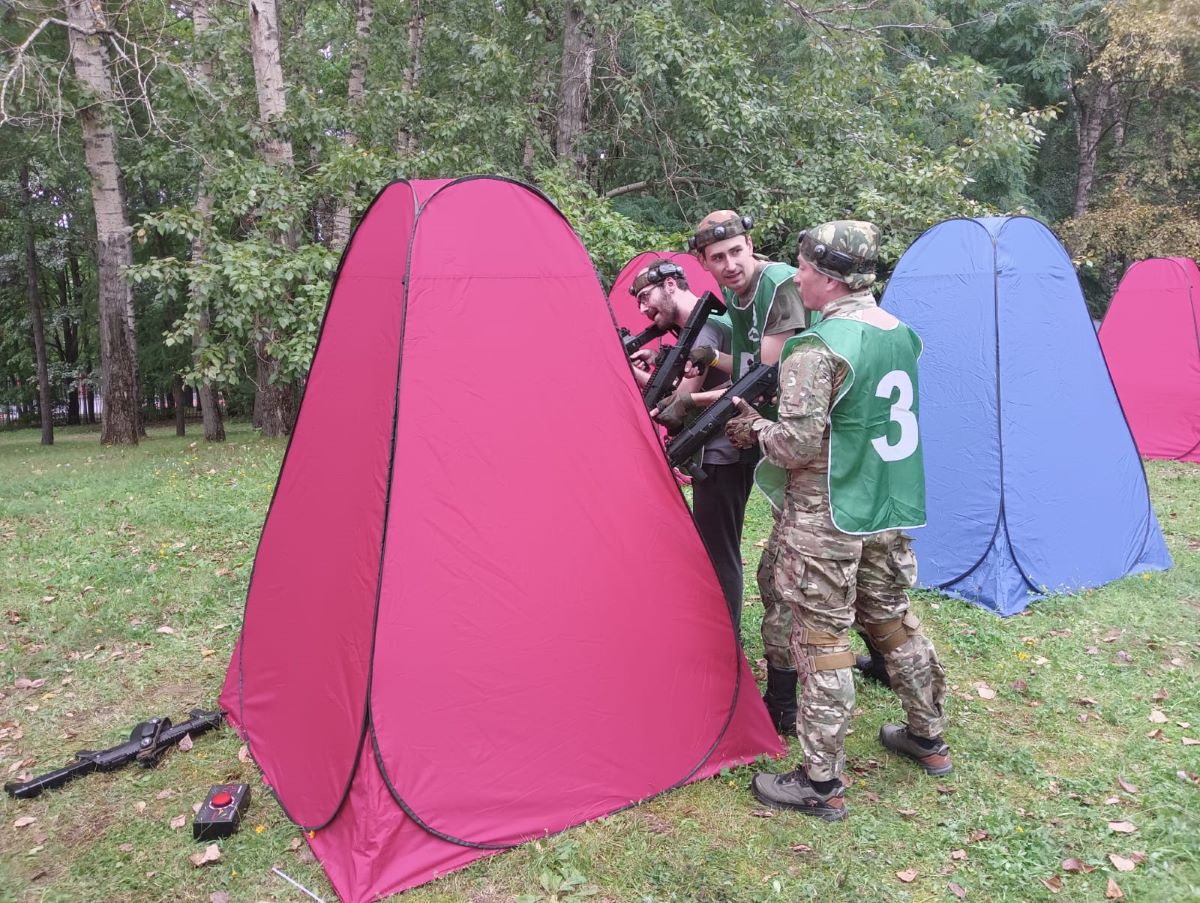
[{"x": 719, "y": 509}]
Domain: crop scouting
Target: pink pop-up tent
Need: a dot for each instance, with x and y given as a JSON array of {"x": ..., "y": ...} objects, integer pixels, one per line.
[
  {"x": 1151, "y": 342},
  {"x": 480, "y": 611}
]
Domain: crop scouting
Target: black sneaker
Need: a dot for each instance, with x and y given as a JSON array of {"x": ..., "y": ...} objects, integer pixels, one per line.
[
  {"x": 793, "y": 790},
  {"x": 935, "y": 760}
]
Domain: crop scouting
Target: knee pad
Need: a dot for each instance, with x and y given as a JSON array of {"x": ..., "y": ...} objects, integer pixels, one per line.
[{"x": 888, "y": 636}]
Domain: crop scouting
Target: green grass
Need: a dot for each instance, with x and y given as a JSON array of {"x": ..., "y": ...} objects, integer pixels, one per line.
[{"x": 100, "y": 548}]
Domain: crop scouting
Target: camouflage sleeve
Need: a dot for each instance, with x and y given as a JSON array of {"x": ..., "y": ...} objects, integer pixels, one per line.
[
  {"x": 787, "y": 313},
  {"x": 806, "y": 386}
]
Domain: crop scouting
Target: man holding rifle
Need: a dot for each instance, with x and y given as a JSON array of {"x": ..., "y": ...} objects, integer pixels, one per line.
[
  {"x": 765, "y": 310},
  {"x": 719, "y": 500},
  {"x": 847, "y": 446}
]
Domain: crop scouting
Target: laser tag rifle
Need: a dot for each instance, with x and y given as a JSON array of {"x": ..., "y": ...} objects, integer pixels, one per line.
[
  {"x": 634, "y": 343},
  {"x": 668, "y": 373},
  {"x": 756, "y": 384},
  {"x": 147, "y": 742}
]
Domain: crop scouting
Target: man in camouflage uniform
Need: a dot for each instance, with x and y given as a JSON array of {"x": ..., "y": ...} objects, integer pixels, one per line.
[
  {"x": 844, "y": 462},
  {"x": 765, "y": 310}
]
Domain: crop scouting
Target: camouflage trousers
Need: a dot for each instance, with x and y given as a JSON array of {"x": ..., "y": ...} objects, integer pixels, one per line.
[
  {"x": 826, "y": 596},
  {"x": 777, "y": 614}
]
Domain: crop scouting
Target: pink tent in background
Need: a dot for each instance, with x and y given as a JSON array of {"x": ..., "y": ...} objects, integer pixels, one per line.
[
  {"x": 1151, "y": 341},
  {"x": 458, "y": 636}
]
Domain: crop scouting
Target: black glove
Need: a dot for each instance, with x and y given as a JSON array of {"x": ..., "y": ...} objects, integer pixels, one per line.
[{"x": 673, "y": 411}]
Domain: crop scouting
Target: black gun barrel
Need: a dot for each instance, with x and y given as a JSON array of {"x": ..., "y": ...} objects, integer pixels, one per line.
[
  {"x": 755, "y": 384},
  {"x": 670, "y": 371},
  {"x": 87, "y": 761},
  {"x": 634, "y": 343}
]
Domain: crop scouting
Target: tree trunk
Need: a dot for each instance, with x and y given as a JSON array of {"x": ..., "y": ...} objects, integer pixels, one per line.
[
  {"x": 340, "y": 236},
  {"x": 214, "y": 429},
  {"x": 274, "y": 402},
  {"x": 406, "y": 139},
  {"x": 1091, "y": 101},
  {"x": 177, "y": 399},
  {"x": 45, "y": 404},
  {"x": 575, "y": 83},
  {"x": 118, "y": 350}
]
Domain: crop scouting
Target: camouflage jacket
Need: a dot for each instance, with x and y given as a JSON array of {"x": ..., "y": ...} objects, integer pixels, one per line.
[{"x": 809, "y": 379}]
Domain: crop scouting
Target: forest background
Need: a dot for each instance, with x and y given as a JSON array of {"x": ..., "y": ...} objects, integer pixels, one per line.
[{"x": 178, "y": 179}]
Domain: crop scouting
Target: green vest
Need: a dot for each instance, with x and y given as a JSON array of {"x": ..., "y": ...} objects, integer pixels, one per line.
[
  {"x": 750, "y": 323},
  {"x": 876, "y": 466}
]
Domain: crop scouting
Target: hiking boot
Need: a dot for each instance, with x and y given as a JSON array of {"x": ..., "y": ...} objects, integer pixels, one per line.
[
  {"x": 935, "y": 760},
  {"x": 794, "y": 791},
  {"x": 780, "y": 699}
]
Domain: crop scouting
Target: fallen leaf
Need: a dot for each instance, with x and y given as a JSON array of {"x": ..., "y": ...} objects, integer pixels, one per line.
[
  {"x": 164, "y": 794},
  {"x": 140, "y": 806},
  {"x": 1126, "y": 786},
  {"x": 1159, "y": 695},
  {"x": 1054, "y": 885},
  {"x": 1112, "y": 801},
  {"x": 196, "y": 808},
  {"x": 1157, "y": 716},
  {"x": 944, "y": 790},
  {"x": 205, "y": 653},
  {"x": 907, "y": 876},
  {"x": 1121, "y": 864},
  {"x": 24, "y": 821},
  {"x": 178, "y": 822},
  {"x": 957, "y": 889},
  {"x": 126, "y": 848},
  {"x": 186, "y": 743},
  {"x": 1124, "y": 657},
  {"x": 1112, "y": 636},
  {"x": 1138, "y": 857},
  {"x": 1019, "y": 685},
  {"x": 1188, "y": 777},
  {"x": 1156, "y": 734},
  {"x": 763, "y": 813},
  {"x": 801, "y": 848},
  {"x": 1188, "y": 741},
  {"x": 164, "y": 629},
  {"x": 1113, "y": 892},
  {"x": 295, "y": 844},
  {"x": 244, "y": 753},
  {"x": 870, "y": 796},
  {"x": 211, "y": 854},
  {"x": 1086, "y": 700},
  {"x": 1041, "y": 660},
  {"x": 976, "y": 836},
  {"x": 1091, "y": 650},
  {"x": 984, "y": 691},
  {"x": 218, "y": 896},
  {"x": 1060, "y": 631},
  {"x": 958, "y": 854},
  {"x": 1076, "y": 866},
  {"x": 1122, "y": 827},
  {"x": 909, "y": 813}
]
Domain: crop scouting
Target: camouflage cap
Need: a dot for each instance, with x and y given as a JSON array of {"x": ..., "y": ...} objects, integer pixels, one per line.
[
  {"x": 844, "y": 250},
  {"x": 655, "y": 274}
]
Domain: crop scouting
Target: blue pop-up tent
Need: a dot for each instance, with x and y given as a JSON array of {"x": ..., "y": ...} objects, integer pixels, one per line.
[{"x": 1034, "y": 484}]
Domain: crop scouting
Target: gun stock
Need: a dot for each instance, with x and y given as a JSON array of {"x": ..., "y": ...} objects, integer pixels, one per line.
[
  {"x": 757, "y": 383},
  {"x": 667, "y": 374}
]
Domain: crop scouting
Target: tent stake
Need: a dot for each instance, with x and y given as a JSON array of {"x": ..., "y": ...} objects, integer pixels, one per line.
[{"x": 297, "y": 885}]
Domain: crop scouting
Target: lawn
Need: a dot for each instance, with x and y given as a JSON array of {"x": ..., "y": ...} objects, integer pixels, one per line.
[{"x": 122, "y": 578}]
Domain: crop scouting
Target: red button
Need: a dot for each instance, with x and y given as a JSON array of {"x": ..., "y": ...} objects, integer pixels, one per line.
[{"x": 221, "y": 799}]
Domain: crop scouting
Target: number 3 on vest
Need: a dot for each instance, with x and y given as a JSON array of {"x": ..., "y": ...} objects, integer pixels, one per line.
[{"x": 901, "y": 414}]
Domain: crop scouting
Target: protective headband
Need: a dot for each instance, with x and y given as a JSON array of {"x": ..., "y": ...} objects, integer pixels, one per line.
[
  {"x": 654, "y": 275},
  {"x": 839, "y": 264},
  {"x": 738, "y": 225}
]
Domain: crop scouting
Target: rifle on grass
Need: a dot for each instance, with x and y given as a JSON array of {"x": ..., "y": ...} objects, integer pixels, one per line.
[
  {"x": 147, "y": 742},
  {"x": 674, "y": 358},
  {"x": 757, "y": 383},
  {"x": 634, "y": 343}
]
